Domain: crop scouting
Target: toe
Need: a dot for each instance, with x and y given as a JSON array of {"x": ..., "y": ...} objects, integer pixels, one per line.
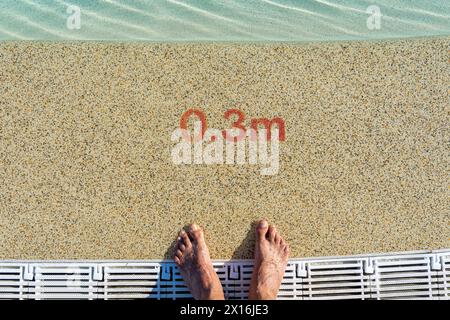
[
  {"x": 178, "y": 257},
  {"x": 181, "y": 246},
  {"x": 277, "y": 239},
  {"x": 261, "y": 229},
  {"x": 287, "y": 251},
  {"x": 196, "y": 232},
  {"x": 272, "y": 233},
  {"x": 185, "y": 239}
]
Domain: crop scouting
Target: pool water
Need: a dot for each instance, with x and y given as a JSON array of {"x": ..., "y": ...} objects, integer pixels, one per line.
[{"x": 228, "y": 20}]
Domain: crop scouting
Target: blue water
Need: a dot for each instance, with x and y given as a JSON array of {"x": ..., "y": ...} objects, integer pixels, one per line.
[{"x": 228, "y": 20}]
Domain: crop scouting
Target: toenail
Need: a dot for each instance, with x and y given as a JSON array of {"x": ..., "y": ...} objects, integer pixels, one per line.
[
  {"x": 194, "y": 227},
  {"x": 263, "y": 224}
]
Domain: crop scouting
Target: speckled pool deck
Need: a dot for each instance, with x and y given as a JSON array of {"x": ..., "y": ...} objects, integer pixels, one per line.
[{"x": 85, "y": 149}]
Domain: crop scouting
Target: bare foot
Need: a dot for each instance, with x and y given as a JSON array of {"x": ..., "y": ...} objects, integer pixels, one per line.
[
  {"x": 271, "y": 256},
  {"x": 192, "y": 257}
]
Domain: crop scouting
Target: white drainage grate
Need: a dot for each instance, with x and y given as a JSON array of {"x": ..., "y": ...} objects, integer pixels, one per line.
[{"x": 416, "y": 275}]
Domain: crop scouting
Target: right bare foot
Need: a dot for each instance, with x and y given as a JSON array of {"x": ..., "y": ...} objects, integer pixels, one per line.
[
  {"x": 192, "y": 257},
  {"x": 271, "y": 256}
]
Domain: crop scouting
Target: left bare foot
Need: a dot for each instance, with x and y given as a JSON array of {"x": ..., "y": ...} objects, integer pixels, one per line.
[{"x": 192, "y": 257}]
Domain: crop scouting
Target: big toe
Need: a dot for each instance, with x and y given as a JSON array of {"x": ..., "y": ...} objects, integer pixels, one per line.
[
  {"x": 196, "y": 232},
  {"x": 261, "y": 229}
]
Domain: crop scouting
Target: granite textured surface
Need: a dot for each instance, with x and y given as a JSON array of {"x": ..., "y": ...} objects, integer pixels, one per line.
[{"x": 86, "y": 171}]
